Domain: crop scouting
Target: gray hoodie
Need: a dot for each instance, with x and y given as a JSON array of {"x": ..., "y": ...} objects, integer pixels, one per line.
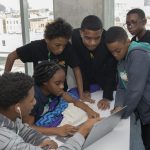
[
  {"x": 134, "y": 82},
  {"x": 18, "y": 136}
]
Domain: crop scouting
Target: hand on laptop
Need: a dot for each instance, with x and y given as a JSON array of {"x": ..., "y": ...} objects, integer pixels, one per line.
[
  {"x": 103, "y": 104},
  {"x": 87, "y": 126},
  {"x": 117, "y": 108},
  {"x": 67, "y": 130}
]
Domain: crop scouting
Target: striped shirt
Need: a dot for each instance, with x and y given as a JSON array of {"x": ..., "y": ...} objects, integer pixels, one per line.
[{"x": 18, "y": 136}]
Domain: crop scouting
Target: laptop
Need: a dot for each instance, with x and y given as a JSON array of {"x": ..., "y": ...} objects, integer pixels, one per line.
[{"x": 100, "y": 129}]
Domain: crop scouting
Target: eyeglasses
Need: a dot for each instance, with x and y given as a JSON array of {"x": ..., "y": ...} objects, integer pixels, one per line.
[{"x": 132, "y": 24}]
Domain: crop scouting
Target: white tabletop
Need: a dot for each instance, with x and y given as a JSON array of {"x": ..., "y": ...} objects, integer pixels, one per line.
[{"x": 118, "y": 138}]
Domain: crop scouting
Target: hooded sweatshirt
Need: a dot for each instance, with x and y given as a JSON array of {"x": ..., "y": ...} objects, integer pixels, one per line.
[{"x": 134, "y": 81}]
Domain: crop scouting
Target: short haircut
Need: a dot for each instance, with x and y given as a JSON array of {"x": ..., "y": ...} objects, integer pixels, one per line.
[
  {"x": 114, "y": 34},
  {"x": 91, "y": 22},
  {"x": 137, "y": 11},
  {"x": 45, "y": 70},
  {"x": 58, "y": 28},
  {"x": 14, "y": 87}
]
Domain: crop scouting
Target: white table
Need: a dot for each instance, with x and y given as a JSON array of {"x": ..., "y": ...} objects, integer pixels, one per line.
[{"x": 118, "y": 138}]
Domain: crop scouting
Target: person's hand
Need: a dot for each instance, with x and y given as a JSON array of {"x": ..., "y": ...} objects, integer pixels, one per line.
[
  {"x": 86, "y": 97},
  {"x": 117, "y": 108},
  {"x": 92, "y": 114},
  {"x": 67, "y": 130},
  {"x": 87, "y": 126},
  {"x": 103, "y": 104},
  {"x": 87, "y": 94},
  {"x": 49, "y": 143}
]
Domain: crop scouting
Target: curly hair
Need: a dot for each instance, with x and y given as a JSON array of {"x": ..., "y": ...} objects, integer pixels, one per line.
[
  {"x": 58, "y": 28},
  {"x": 45, "y": 70},
  {"x": 14, "y": 87}
]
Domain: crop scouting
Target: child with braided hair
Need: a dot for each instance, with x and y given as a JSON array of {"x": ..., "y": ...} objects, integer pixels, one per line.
[
  {"x": 16, "y": 101},
  {"x": 55, "y": 46},
  {"x": 49, "y": 80}
]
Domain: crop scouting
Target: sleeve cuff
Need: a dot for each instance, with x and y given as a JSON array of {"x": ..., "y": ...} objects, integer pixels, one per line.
[{"x": 79, "y": 138}]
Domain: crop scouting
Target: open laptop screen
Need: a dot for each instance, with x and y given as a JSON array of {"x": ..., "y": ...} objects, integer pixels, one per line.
[
  {"x": 103, "y": 127},
  {"x": 100, "y": 129}
]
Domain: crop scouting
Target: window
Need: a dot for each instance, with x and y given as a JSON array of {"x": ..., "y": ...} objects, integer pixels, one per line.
[
  {"x": 9, "y": 12},
  {"x": 10, "y": 22},
  {"x": 39, "y": 15}
]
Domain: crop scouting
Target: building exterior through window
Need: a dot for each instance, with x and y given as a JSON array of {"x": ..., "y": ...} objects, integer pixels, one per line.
[{"x": 11, "y": 29}]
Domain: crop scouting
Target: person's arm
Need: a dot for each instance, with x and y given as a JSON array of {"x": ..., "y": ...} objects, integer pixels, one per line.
[
  {"x": 61, "y": 131},
  {"x": 16, "y": 143},
  {"x": 80, "y": 104},
  {"x": 31, "y": 136},
  {"x": 27, "y": 138},
  {"x": 137, "y": 79},
  {"x": 10, "y": 61},
  {"x": 110, "y": 73},
  {"x": 73, "y": 143},
  {"x": 110, "y": 78},
  {"x": 26, "y": 53},
  {"x": 79, "y": 82},
  {"x": 76, "y": 142},
  {"x": 119, "y": 96}
]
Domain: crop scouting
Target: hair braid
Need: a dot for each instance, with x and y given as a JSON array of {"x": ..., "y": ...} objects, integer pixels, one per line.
[{"x": 45, "y": 71}]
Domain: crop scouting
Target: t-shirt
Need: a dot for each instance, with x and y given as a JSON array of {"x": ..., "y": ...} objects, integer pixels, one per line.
[
  {"x": 145, "y": 38},
  {"x": 97, "y": 66},
  {"x": 37, "y": 51}
]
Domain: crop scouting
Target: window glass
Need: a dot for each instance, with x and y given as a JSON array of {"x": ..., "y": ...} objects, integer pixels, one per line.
[
  {"x": 10, "y": 22},
  {"x": 10, "y": 30},
  {"x": 39, "y": 15}
]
